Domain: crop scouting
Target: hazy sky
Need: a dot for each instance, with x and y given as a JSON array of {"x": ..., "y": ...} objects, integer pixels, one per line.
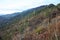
[{"x": 10, "y": 6}]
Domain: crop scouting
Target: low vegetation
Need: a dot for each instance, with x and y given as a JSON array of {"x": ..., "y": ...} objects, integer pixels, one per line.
[{"x": 38, "y": 24}]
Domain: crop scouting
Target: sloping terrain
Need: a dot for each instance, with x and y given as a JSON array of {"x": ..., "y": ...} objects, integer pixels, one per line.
[{"x": 38, "y": 24}]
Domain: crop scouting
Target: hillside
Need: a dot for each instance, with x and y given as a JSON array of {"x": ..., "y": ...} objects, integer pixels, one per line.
[
  {"x": 41, "y": 23},
  {"x": 10, "y": 18}
]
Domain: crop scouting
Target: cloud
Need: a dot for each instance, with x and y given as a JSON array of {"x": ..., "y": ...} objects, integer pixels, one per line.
[{"x": 9, "y": 6}]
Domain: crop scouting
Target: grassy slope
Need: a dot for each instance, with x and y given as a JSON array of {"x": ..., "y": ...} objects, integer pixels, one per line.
[{"x": 34, "y": 23}]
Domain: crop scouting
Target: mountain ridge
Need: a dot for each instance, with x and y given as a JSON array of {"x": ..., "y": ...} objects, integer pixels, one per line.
[{"x": 36, "y": 24}]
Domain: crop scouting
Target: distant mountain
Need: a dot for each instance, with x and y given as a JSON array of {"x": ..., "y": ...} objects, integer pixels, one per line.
[
  {"x": 22, "y": 13},
  {"x": 33, "y": 24},
  {"x": 17, "y": 16}
]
